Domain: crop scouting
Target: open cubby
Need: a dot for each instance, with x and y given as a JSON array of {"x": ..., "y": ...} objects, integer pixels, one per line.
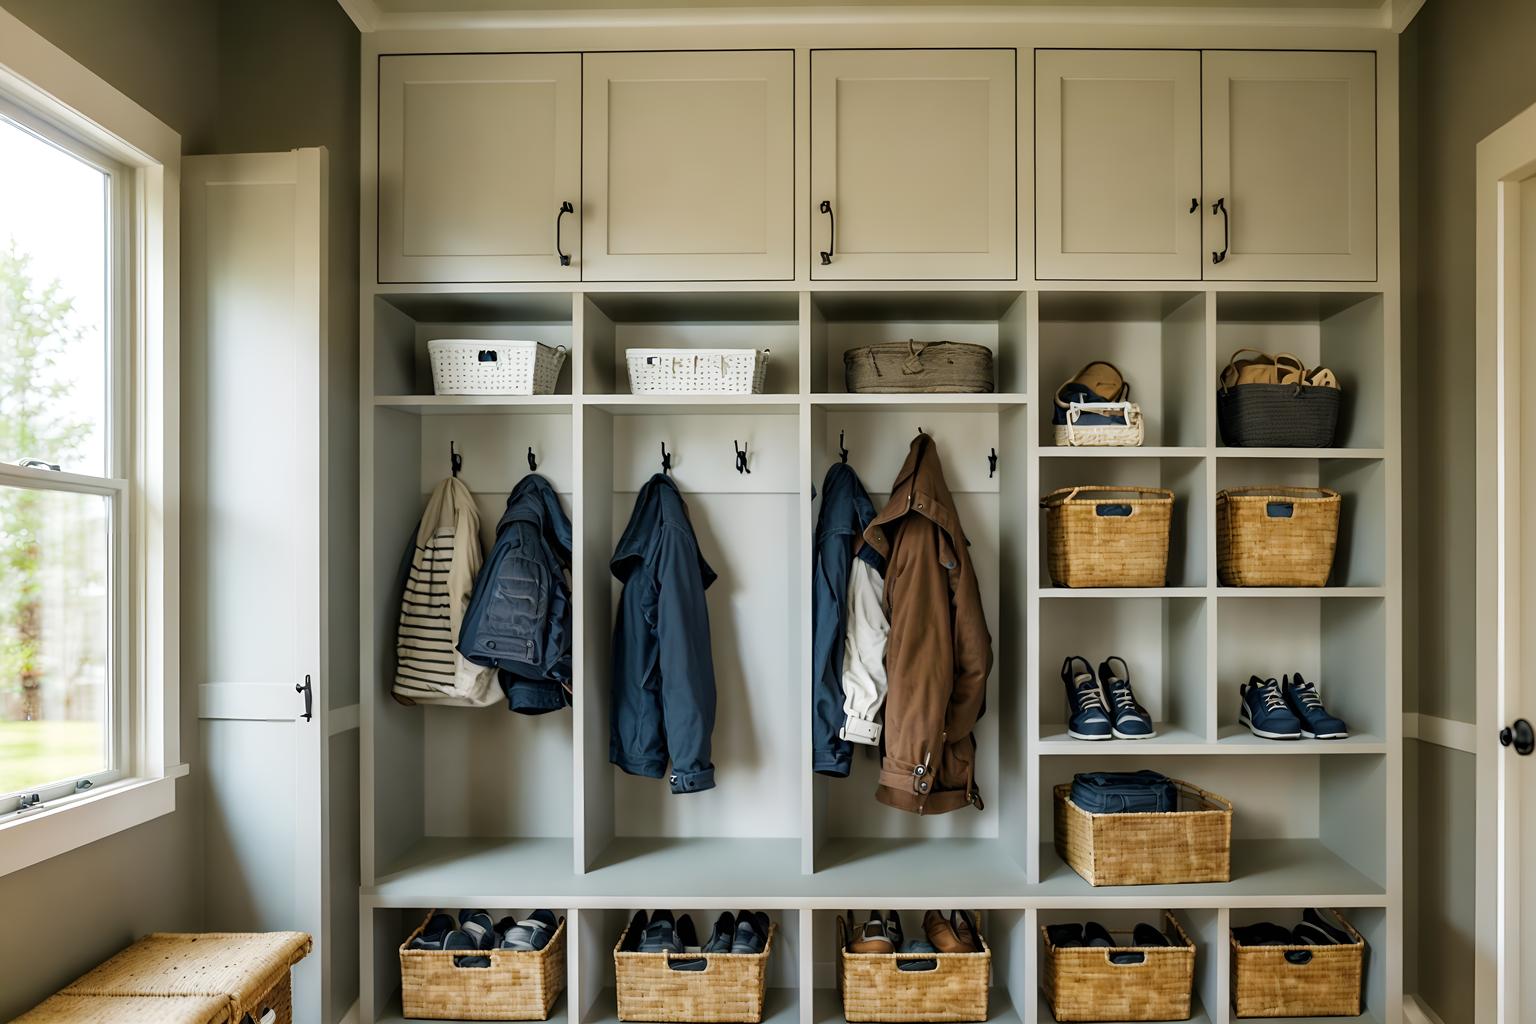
[
  {"x": 404, "y": 323},
  {"x": 1369, "y": 921}
]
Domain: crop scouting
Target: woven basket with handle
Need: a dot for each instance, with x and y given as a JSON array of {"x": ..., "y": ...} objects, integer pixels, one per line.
[
  {"x": 1108, "y": 536},
  {"x": 1192, "y": 844},
  {"x": 1276, "y": 536},
  {"x": 1276, "y": 402},
  {"x": 656, "y": 987},
  {"x": 875, "y": 988},
  {"x": 899, "y": 367},
  {"x": 1298, "y": 981},
  {"x": 1128, "y": 982},
  {"x": 518, "y": 985}
]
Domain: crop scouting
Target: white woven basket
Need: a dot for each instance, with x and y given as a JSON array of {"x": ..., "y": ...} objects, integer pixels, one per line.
[
  {"x": 1131, "y": 434},
  {"x": 696, "y": 371},
  {"x": 493, "y": 367}
]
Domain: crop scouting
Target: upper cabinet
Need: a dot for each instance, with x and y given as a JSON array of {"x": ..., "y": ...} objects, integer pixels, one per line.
[
  {"x": 1223, "y": 165},
  {"x": 477, "y": 156},
  {"x": 1290, "y": 166},
  {"x": 688, "y": 166},
  {"x": 1117, "y": 164},
  {"x": 913, "y": 158}
]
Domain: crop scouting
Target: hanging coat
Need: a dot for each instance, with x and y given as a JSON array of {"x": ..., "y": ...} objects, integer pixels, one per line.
[
  {"x": 519, "y": 617},
  {"x": 939, "y": 652},
  {"x": 663, "y": 702},
  {"x": 444, "y": 558}
]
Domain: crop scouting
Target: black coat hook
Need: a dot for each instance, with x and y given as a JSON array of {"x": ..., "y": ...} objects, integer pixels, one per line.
[
  {"x": 455, "y": 460},
  {"x": 992, "y": 463},
  {"x": 842, "y": 452},
  {"x": 666, "y": 459},
  {"x": 532, "y": 462},
  {"x": 741, "y": 457}
]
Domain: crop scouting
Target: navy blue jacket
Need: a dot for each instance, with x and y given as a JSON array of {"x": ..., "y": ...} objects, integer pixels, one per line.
[
  {"x": 663, "y": 706},
  {"x": 519, "y": 616},
  {"x": 845, "y": 511}
]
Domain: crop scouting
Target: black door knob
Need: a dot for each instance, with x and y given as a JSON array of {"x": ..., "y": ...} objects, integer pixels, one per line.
[{"x": 1520, "y": 736}]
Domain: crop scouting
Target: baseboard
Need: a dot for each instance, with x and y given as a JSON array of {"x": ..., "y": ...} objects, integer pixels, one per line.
[
  {"x": 350, "y": 1017},
  {"x": 1416, "y": 1012}
]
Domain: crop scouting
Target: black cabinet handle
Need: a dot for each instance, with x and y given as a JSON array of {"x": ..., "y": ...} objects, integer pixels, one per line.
[
  {"x": 826, "y": 254},
  {"x": 1220, "y": 206},
  {"x": 565, "y": 257},
  {"x": 1520, "y": 736},
  {"x": 308, "y": 691}
]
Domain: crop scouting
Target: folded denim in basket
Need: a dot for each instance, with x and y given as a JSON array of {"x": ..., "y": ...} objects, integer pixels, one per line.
[{"x": 1124, "y": 792}]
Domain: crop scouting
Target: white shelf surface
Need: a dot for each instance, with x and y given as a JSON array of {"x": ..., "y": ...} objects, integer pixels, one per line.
[
  {"x": 1051, "y": 451},
  {"x": 827, "y": 1006},
  {"x": 1267, "y": 592},
  {"x": 693, "y": 404},
  {"x": 1126, "y": 592},
  {"x": 1168, "y": 741},
  {"x": 474, "y": 404},
  {"x": 839, "y": 402},
  {"x": 1301, "y": 453},
  {"x": 1197, "y": 1014},
  {"x": 1234, "y": 739},
  {"x": 780, "y": 1006}
]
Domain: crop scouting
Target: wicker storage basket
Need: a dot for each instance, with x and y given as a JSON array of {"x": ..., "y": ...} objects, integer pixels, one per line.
[
  {"x": 1075, "y": 434},
  {"x": 249, "y": 970},
  {"x": 1298, "y": 981},
  {"x": 487, "y": 367},
  {"x": 1276, "y": 536},
  {"x": 1278, "y": 415},
  {"x": 1086, "y": 984},
  {"x": 900, "y": 367},
  {"x": 1192, "y": 844},
  {"x": 875, "y": 988},
  {"x": 1108, "y": 536},
  {"x": 696, "y": 371},
  {"x": 518, "y": 985},
  {"x": 67, "y": 1009},
  {"x": 731, "y": 988}
]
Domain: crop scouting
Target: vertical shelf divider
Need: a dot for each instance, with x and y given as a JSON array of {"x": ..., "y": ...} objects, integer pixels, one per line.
[{"x": 809, "y": 422}]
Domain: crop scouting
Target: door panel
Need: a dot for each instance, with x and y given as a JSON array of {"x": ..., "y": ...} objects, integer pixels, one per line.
[
  {"x": 1290, "y": 150},
  {"x": 476, "y": 154},
  {"x": 254, "y": 259},
  {"x": 1117, "y": 144},
  {"x": 688, "y": 166},
  {"x": 914, "y": 150}
]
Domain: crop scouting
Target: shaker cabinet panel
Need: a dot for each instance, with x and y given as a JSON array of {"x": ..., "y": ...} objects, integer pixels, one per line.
[
  {"x": 1290, "y": 166},
  {"x": 688, "y": 166},
  {"x": 913, "y": 157},
  {"x": 477, "y": 154},
  {"x": 1117, "y": 164}
]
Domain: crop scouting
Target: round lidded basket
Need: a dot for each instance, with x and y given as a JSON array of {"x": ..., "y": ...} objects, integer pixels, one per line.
[{"x": 907, "y": 367}]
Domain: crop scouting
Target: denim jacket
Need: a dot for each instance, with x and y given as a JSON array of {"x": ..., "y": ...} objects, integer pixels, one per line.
[
  {"x": 845, "y": 511},
  {"x": 663, "y": 702},
  {"x": 519, "y": 617}
]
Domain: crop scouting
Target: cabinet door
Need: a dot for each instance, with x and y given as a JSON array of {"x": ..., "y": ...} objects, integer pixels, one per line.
[
  {"x": 913, "y": 158},
  {"x": 477, "y": 152},
  {"x": 1117, "y": 164},
  {"x": 1290, "y": 166},
  {"x": 688, "y": 166}
]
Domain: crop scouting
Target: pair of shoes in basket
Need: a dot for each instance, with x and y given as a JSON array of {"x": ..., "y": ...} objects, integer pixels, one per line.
[
  {"x": 1104, "y": 707},
  {"x": 474, "y": 930},
  {"x": 955, "y": 932},
  {"x": 1093, "y": 934},
  {"x": 1314, "y": 930},
  {"x": 661, "y": 932},
  {"x": 1287, "y": 710}
]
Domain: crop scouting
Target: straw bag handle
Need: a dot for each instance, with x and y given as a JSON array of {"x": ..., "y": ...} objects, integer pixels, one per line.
[
  {"x": 1229, "y": 372},
  {"x": 1293, "y": 367}
]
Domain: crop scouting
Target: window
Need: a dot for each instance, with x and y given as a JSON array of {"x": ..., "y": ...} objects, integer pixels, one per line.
[{"x": 64, "y": 529}]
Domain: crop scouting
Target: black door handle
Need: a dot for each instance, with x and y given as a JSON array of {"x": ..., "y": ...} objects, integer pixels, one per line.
[
  {"x": 1220, "y": 206},
  {"x": 308, "y": 691},
  {"x": 1520, "y": 736},
  {"x": 565, "y": 257},
  {"x": 826, "y": 254}
]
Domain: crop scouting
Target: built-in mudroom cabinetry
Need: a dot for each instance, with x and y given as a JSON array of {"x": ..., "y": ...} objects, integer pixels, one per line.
[{"x": 1158, "y": 196}]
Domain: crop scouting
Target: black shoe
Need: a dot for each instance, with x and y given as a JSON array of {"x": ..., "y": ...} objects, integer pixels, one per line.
[
  {"x": 751, "y": 932},
  {"x": 1095, "y": 934},
  {"x": 1264, "y": 933},
  {"x": 634, "y": 933},
  {"x": 1148, "y": 935},
  {"x": 1315, "y": 930},
  {"x": 1064, "y": 936},
  {"x": 720, "y": 938},
  {"x": 893, "y": 929}
]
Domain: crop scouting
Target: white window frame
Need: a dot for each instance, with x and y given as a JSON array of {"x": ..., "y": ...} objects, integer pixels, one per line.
[{"x": 49, "y": 92}]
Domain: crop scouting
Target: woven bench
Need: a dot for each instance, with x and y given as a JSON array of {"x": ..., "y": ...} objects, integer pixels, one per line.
[{"x": 68, "y": 1009}]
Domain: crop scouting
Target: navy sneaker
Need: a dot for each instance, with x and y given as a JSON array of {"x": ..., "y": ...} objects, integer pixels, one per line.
[
  {"x": 1316, "y": 723},
  {"x": 1095, "y": 934},
  {"x": 1264, "y": 712},
  {"x": 1316, "y": 930},
  {"x": 720, "y": 938},
  {"x": 1130, "y": 719},
  {"x": 1087, "y": 718}
]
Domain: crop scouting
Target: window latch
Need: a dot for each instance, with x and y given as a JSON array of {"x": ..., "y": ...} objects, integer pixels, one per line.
[
  {"x": 38, "y": 464},
  {"x": 28, "y": 802}
]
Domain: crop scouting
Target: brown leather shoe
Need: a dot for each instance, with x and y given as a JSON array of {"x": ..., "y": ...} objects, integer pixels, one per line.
[
  {"x": 955, "y": 934},
  {"x": 872, "y": 938}
]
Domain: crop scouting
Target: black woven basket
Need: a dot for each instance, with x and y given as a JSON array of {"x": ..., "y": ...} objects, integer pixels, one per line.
[{"x": 1278, "y": 415}]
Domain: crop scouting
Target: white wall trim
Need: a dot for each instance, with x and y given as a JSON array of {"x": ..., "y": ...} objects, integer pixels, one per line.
[
  {"x": 1400, "y": 13},
  {"x": 79, "y": 820},
  {"x": 1416, "y": 1011},
  {"x": 1442, "y": 732},
  {"x": 365, "y": 14}
]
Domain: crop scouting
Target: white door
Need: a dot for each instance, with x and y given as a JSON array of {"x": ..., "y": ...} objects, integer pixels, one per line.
[
  {"x": 1506, "y": 548},
  {"x": 478, "y": 156},
  {"x": 688, "y": 166},
  {"x": 1117, "y": 164},
  {"x": 254, "y": 259},
  {"x": 913, "y": 160},
  {"x": 1290, "y": 165}
]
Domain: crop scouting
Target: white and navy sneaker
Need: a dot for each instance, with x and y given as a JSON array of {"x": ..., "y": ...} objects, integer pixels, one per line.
[{"x": 1263, "y": 711}]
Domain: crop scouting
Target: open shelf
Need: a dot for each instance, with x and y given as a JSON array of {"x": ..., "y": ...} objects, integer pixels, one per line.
[
  {"x": 780, "y": 1006},
  {"x": 405, "y": 323}
]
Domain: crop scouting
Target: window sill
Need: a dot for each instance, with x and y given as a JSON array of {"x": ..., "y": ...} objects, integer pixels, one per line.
[{"x": 68, "y": 824}]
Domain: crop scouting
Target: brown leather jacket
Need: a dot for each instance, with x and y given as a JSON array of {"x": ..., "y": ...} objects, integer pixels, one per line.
[{"x": 939, "y": 652}]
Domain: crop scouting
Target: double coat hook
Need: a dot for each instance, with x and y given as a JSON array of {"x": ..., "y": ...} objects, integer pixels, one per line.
[{"x": 741, "y": 457}]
